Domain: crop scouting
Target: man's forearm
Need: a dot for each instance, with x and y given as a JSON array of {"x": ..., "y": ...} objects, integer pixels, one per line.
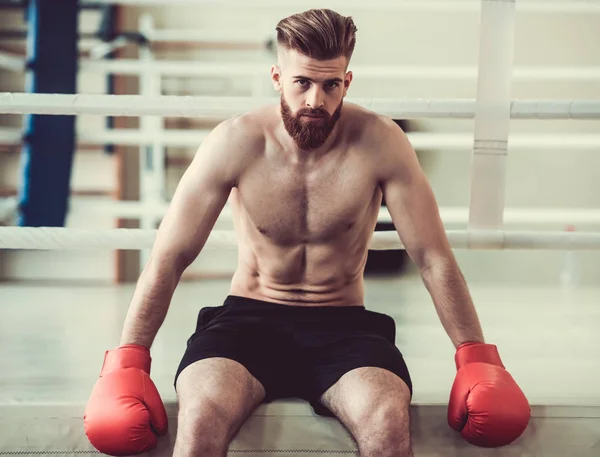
[
  {"x": 150, "y": 304},
  {"x": 453, "y": 302}
]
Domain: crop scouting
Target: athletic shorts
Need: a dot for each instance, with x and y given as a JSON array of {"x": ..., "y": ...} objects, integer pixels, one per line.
[{"x": 295, "y": 351}]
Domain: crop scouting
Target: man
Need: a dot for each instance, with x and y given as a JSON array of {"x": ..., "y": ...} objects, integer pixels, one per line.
[{"x": 305, "y": 179}]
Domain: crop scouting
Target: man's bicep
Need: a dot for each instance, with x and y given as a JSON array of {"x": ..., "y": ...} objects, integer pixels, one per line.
[
  {"x": 413, "y": 207},
  {"x": 196, "y": 204}
]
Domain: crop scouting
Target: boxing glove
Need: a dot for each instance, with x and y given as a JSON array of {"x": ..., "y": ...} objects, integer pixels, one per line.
[
  {"x": 125, "y": 413},
  {"x": 486, "y": 405}
]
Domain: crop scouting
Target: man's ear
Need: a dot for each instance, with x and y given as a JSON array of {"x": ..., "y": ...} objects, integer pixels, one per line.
[
  {"x": 276, "y": 77},
  {"x": 347, "y": 82}
]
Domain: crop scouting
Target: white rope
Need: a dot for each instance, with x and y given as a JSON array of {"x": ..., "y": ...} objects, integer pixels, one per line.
[
  {"x": 537, "y": 6},
  {"x": 449, "y": 215},
  {"x": 233, "y": 69},
  {"x": 53, "y": 238},
  {"x": 558, "y": 217},
  {"x": 224, "y": 107},
  {"x": 417, "y": 72},
  {"x": 81, "y": 206},
  {"x": 226, "y": 36},
  {"x": 564, "y": 142}
]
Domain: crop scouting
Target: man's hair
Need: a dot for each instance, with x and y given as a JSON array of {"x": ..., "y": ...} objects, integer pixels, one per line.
[{"x": 321, "y": 34}]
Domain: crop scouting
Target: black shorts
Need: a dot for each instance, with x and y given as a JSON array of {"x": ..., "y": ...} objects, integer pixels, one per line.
[{"x": 295, "y": 351}]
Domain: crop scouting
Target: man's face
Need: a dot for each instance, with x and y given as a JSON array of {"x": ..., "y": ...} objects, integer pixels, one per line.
[{"x": 312, "y": 93}]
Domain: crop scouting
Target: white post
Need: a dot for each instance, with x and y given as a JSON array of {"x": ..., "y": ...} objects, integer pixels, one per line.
[
  {"x": 492, "y": 114},
  {"x": 152, "y": 153}
]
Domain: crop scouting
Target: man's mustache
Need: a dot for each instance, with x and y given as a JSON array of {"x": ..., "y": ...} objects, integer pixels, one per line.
[{"x": 311, "y": 112}]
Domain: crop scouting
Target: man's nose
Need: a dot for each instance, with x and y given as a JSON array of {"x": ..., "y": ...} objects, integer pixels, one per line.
[{"x": 315, "y": 100}]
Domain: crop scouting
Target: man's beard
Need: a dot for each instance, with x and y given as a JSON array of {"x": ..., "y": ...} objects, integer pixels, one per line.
[{"x": 309, "y": 134}]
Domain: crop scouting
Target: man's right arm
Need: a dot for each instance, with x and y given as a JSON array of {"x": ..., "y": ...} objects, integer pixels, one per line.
[
  {"x": 125, "y": 412},
  {"x": 198, "y": 200}
]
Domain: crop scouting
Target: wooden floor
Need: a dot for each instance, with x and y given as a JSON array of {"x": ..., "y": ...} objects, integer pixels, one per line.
[{"x": 53, "y": 338}]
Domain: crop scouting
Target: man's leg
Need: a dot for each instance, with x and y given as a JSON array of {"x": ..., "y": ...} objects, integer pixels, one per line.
[
  {"x": 215, "y": 397},
  {"x": 373, "y": 404},
  {"x": 355, "y": 372},
  {"x": 233, "y": 361}
]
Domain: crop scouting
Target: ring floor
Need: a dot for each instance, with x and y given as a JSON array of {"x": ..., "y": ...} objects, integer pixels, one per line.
[{"x": 53, "y": 338}]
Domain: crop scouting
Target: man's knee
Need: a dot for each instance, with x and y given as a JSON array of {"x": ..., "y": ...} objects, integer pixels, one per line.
[
  {"x": 204, "y": 427},
  {"x": 213, "y": 414},
  {"x": 388, "y": 418},
  {"x": 385, "y": 431},
  {"x": 204, "y": 411}
]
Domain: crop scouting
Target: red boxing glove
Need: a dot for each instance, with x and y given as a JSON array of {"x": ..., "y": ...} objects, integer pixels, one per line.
[
  {"x": 486, "y": 405},
  {"x": 125, "y": 412}
]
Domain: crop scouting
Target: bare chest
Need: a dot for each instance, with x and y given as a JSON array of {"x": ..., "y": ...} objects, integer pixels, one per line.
[{"x": 295, "y": 204}]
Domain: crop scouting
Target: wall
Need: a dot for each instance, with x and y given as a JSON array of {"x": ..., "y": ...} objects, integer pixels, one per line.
[{"x": 536, "y": 178}]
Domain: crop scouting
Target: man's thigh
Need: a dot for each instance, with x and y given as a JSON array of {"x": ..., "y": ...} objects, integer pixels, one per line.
[
  {"x": 218, "y": 393},
  {"x": 354, "y": 352},
  {"x": 244, "y": 333},
  {"x": 371, "y": 401}
]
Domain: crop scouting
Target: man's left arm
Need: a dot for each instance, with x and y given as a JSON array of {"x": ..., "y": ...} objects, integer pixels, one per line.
[
  {"x": 486, "y": 405},
  {"x": 414, "y": 210}
]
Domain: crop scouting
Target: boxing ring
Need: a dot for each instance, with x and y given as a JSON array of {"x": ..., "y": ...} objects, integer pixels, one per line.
[{"x": 44, "y": 417}]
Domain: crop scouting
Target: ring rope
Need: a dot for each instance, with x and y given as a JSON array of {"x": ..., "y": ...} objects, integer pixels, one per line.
[
  {"x": 419, "y": 140},
  {"x": 537, "y": 6},
  {"x": 224, "y": 107},
  {"x": 58, "y": 238}
]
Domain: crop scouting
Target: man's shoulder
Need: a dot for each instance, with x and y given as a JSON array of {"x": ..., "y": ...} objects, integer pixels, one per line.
[
  {"x": 372, "y": 126},
  {"x": 250, "y": 128},
  {"x": 382, "y": 140},
  {"x": 235, "y": 142}
]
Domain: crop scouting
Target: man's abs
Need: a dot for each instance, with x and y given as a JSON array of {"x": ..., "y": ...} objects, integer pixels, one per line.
[{"x": 300, "y": 275}]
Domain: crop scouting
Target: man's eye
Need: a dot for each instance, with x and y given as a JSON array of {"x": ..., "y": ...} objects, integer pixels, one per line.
[{"x": 302, "y": 82}]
